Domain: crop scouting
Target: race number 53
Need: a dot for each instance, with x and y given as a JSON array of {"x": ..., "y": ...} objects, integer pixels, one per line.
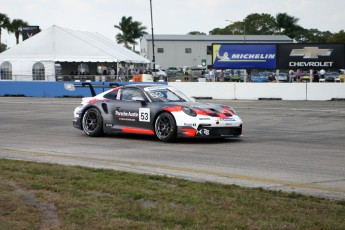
[{"x": 144, "y": 114}]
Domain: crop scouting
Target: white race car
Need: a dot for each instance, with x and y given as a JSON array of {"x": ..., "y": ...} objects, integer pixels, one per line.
[{"x": 154, "y": 109}]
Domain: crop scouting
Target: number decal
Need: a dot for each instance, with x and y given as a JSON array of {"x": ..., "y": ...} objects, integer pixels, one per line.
[{"x": 144, "y": 114}]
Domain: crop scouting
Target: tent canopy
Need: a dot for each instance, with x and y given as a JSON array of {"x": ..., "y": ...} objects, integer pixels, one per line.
[{"x": 59, "y": 44}]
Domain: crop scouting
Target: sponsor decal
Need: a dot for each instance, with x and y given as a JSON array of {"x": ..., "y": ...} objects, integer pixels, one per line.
[
  {"x": 203, "y": 132},
  {"x": 147, "y": 89},
  {"x": 126, "y": 119},
  {"x": 144, "y": 114},
  {"x": 204, "y": 118},
  {"x": 189, "y": 124},
  {"x": 228, "y": 119},
  {"x": 108, "y": 125},
  {"x": 126, "y": 116}
]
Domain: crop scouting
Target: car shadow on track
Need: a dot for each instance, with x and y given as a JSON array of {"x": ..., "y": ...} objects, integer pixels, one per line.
[{"x": 199, "y": 141}]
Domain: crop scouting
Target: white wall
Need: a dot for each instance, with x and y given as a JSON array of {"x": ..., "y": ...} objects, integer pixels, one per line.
[
  {"x": 254, "y": 91},
  {"x": 326, "y": 91},
  {"x": 285, "y": 91},
  {"x": 216, "y": 90}
]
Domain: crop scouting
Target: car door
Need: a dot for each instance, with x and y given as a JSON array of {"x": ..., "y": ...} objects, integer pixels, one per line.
[{"x": 131, "y": 110}]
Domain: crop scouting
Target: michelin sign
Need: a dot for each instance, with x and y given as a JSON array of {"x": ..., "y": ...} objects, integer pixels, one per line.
[{"x": 229, "y": 56}]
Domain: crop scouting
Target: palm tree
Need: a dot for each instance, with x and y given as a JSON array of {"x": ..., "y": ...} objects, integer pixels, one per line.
[
  {"x": 4, "y": 23},
  {"x": 138, "y": 32},
  {"x": 16, "y": 27},
  {"x": 131, "y": 30},
  {"x": 286, "y": 23}
]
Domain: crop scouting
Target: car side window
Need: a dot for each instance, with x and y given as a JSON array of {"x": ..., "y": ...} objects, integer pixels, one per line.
[
  {"x": 129, "y": 94},
  {"x": 111, "y": 95}
]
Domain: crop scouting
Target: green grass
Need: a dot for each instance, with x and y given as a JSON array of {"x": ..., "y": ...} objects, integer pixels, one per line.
[{"x": 49, "y": 196}]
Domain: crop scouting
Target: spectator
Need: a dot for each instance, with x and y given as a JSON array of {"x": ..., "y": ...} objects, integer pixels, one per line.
[
  {"x": 322, "y": 74},
  {"x": 211, "y": 74},
  {"x": 112, "y": 71},
  {"x": 249, "y": 74},
  {"x": 315, "y": 76},
  {"x": 298, "y": 74}
]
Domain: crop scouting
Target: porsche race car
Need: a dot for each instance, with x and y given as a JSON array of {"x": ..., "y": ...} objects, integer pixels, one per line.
[{"x": 154, "y": 109}]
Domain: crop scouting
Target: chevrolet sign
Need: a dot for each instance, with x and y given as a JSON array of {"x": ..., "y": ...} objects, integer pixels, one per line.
[
  {"x": 310, "y": 64},
  {"x": 310, "y": 52},
  {"x": 313, "y": 56}
]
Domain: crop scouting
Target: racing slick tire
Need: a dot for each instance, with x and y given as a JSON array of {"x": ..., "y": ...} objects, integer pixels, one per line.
[
  {"x": 165, "y": 127},
  {"x": 92, "y": 123}
]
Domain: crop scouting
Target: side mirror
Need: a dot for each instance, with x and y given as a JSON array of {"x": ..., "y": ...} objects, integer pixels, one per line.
[{"x": 138, "y": 99}]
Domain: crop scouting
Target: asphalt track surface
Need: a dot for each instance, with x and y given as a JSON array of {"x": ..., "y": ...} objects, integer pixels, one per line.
[{"x": 294, "y": 146}]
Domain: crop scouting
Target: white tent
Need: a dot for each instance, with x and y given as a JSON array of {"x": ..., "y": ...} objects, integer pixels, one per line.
[{"x": 57, "y": 44}]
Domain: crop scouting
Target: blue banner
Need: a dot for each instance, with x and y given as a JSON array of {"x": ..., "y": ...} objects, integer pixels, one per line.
[{"x": 226, "y": 56}]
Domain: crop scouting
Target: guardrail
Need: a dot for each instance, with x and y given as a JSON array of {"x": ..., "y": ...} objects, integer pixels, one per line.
[
  {"x": 215, "y": 90},
  {"x": 256, "y": 91},
  {"x": 49, "y": 89}
]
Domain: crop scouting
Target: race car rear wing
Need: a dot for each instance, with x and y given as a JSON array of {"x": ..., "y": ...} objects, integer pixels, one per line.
[{"x": 72, "y": 86}]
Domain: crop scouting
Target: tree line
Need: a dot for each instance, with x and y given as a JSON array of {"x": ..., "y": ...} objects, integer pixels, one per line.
[
  {"x": 253, "y": 24},
  {"x": 280, "y": 24}
]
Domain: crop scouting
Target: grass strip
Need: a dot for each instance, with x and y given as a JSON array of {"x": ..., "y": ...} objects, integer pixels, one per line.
[{"x": 51, "y": 196}]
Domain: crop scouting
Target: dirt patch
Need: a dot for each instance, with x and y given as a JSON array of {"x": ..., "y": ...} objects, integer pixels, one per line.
[{"x": 49, "y": 218}]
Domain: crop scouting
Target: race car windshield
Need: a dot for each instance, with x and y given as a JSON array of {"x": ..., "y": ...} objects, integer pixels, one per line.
[{"x": 166, "y": 94}]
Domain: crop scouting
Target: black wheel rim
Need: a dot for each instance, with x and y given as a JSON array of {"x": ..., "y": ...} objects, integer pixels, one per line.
[
  {"x": 91, "y": 121},
  {"x": 163, "y": 127}
]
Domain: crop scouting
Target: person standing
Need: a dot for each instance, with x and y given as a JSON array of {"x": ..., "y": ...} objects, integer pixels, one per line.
[
  {"x": 298, "y": 75},
  {"x": 315, "y": 76},
  {"x": 322, "y": 73},
  {"x": 211, "y": 75}
]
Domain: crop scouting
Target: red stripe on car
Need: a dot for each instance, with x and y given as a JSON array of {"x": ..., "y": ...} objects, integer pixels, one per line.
[
  {"x": 95, "y": 100},
  {"x": 137, "y": 131},
  {"x": 173, "y": 109},
  {"x": 188, "y": 132}
]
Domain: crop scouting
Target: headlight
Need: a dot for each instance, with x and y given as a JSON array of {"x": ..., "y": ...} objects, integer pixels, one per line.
[{"x": 189, "y": 111}]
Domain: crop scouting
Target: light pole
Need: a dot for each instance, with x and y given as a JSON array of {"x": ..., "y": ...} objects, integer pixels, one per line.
[
  {"x": 153, "y": 39},
  {"x": 244, "y": 32}
]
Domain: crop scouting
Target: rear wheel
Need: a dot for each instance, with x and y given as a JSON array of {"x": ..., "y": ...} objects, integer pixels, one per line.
[
  {"x": 92, "y": 123},
  {"x": 165, "y": 127}
]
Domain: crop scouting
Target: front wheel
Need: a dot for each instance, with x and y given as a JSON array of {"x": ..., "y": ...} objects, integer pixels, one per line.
[
  {"x": 92, "y": 123},
  {"x": 165, "y": 127}
]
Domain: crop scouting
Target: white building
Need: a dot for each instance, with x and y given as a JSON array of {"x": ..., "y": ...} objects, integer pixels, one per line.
[{"x": 194, "y": 50}]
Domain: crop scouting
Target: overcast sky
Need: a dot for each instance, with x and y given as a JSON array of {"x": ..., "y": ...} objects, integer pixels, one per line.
[{"x": 169, "y": 16}]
